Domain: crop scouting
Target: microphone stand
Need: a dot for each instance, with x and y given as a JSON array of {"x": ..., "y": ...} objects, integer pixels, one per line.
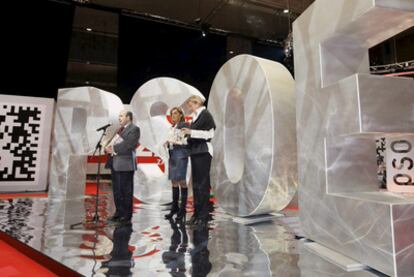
[{"x": 98, "y": 149}]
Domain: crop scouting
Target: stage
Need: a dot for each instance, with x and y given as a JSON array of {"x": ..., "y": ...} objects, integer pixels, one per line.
[{"x": 153, "y": 246}]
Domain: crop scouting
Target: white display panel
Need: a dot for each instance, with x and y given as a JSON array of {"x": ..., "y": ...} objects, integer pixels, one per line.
[{"x": 399, "y": 162}]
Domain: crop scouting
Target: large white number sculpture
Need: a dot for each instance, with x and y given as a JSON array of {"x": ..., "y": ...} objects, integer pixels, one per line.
[
  {"x": 341, "y": 109},
  {"x": 254, "y": 168},
  {"x": 79, "y": 112},
  {"x": 150, "y": 105}
]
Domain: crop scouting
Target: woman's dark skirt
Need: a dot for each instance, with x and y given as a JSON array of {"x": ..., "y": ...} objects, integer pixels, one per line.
[{"x": 177, "y": 164}]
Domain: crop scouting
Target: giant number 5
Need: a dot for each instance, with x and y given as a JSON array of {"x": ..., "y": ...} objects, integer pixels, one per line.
[{"x": 340, "y": 109}]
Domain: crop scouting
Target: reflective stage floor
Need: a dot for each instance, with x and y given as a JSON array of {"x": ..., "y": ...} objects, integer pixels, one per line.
[{"x": 153, "y": 246}]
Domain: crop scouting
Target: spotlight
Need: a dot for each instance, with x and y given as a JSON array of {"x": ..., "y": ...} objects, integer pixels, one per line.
[
  {"x": 285, "y": 11},
  {"x": 231, "y": 52},
  {"x": 203, "y": 33},
  {"x": 89, "y": 29}
]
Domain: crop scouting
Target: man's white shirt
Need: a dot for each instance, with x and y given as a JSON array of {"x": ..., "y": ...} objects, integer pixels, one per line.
[{"x": 116, "y": 140}]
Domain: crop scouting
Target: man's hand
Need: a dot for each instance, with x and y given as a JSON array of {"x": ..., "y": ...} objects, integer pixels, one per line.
[{"x": 109, "y": 149}]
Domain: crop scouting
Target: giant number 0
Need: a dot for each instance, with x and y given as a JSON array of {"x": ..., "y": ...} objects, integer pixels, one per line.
[{"x": 254, "y": 168}]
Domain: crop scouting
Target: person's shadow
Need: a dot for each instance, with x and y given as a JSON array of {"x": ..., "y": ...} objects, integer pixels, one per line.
[
  {"x": 174, "y": 258},
  {"x": 200, "y": 254},
  {"x": 121, "y": 261}
]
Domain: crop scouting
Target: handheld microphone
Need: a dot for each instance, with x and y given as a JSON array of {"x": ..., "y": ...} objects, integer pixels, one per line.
[{"x": 103, "y": 127}]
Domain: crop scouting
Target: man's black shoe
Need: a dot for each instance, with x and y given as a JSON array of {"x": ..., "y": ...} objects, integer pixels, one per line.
[{"x": 123, "y": 220}]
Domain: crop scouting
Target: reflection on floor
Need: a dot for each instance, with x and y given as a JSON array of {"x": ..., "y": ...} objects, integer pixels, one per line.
[{"x": 153, "y": 246}]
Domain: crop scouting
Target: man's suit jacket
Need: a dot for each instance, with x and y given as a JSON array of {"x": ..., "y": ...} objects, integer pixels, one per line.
[
  {"x": 125, "y": 158},
  {"x": 204, "y": 122}
]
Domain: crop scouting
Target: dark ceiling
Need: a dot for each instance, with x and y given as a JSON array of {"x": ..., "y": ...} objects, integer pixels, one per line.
[
  {"x": 260, "y": 19},
  {"x": 112, "y": 39},
  {"x": 117, "y": 45}
]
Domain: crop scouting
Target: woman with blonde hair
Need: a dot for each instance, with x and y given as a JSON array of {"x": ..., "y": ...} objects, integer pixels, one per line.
[{"x": 177, "y": 164}]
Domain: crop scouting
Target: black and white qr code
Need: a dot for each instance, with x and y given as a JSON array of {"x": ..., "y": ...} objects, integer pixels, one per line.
[{"x": 19, "y": 141}]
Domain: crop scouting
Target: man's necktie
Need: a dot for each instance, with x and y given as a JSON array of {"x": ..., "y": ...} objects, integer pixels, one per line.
[{"x": 120, "y": 130}]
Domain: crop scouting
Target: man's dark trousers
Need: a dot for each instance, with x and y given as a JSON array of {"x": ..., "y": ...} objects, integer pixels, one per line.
[
  {"x": 123, "y": 189},
  {"x": 200, "y": 165}
]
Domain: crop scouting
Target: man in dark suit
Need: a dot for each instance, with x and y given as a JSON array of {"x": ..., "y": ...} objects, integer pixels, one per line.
[{"x": 122, "y": 162}]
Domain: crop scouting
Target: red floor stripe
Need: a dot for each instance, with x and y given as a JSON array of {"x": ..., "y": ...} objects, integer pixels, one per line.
[
  {"x": 18, "y": 259},
  {"x": 14, "y": 263},
  {"x": 292, "y": 208},
  {"x": 90, "y": 189}
]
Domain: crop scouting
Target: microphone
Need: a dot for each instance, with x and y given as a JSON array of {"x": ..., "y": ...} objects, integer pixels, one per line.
[{"x": 103, "y": 127}]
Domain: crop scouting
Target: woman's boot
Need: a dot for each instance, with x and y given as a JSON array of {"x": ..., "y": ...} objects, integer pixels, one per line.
[
  {"x": 174, "y": 206},
  {"x": 183, "y": 204}
]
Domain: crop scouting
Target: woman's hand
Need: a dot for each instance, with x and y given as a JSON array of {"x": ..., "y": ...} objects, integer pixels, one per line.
[{"x": 186, "y": 131}]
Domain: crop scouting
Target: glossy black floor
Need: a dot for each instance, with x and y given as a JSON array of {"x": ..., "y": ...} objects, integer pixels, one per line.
[{"x": 153, "y": 246}]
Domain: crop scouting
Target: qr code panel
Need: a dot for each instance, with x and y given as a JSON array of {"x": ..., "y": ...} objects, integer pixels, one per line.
[
  {"x": 19, "y": 142},
  {"x": 381, "y": 171}
]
